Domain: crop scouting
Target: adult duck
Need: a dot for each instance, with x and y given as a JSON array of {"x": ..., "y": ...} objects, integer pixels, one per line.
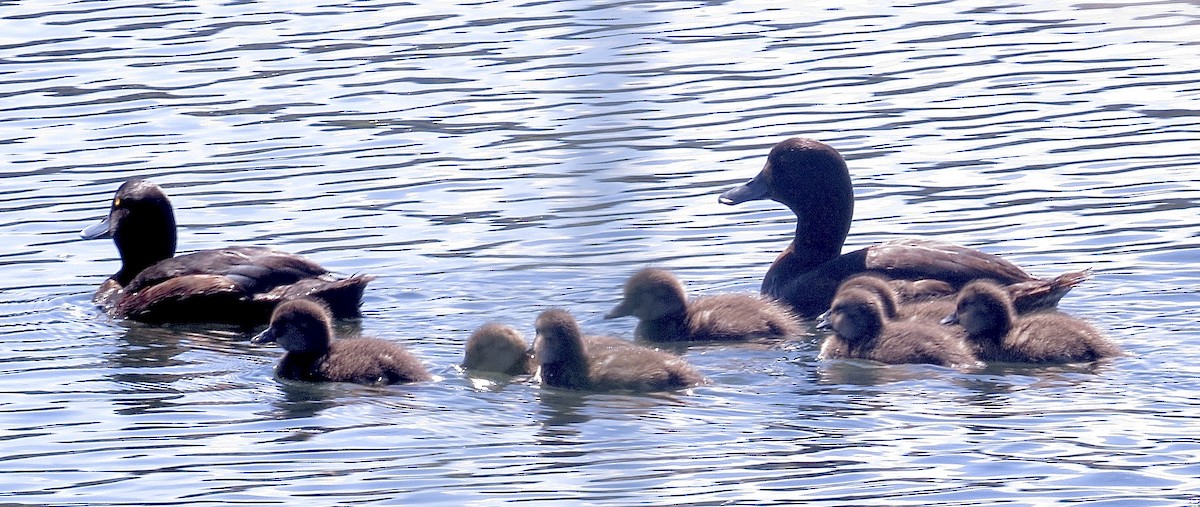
[
  {"x": 811, "y": 179},
  {"x": 236, "y": 284}
]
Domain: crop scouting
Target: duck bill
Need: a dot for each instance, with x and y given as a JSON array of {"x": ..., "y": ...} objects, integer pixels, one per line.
[
  {"x": 823, "y": 321},
  {"x": 951, "y": 319},
  {"x": 100, "y": 230},
  {"x": 752, "y": 190},
  {"x": 622, "y": 310},
  {"x": 267, "y": 336}
]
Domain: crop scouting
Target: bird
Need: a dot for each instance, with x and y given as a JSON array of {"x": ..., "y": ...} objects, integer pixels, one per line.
[
  {"x": 657, "y": 299},
  {"x": 495, "y": 347},
  {"x": 811, "y": 178},
  {"x": 863, "y": 331},
  {"x": 304, "y": 328},
  {"x": 997, "y": 333},
  {"x": 236, "y": 284},
  {"x": 567, "y": 359}
]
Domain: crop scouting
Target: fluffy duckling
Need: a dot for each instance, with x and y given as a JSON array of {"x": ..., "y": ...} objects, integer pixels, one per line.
[
  {"x": 998, "y": 333},
  {"x": 657, "y": 299},
  {"x": 904, "y": 299},
  {"x": 498, "y": 348},
  {"x": 863, "y": 331},
  {"x": 569, "y": 360},
  {"x": 305, "y": 330},
  {"x": 239, "y": 284}
]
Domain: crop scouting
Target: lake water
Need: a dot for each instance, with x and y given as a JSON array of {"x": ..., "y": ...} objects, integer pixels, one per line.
[{"x": 487, "y": 160}]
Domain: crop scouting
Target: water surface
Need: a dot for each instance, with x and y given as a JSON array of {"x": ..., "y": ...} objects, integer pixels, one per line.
[{"x": 487, "y": 160}]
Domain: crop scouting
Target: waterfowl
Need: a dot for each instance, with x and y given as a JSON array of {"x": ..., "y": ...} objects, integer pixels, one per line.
[
  {"x": 998, "y": 333},
  {"x": 903, "y": 299},
  {"x": 235, "y": 284},
  {"x": 304, "y": 328},
  {"x": 657, "y": 299},
  {"x": 498, "y": 348},
  {"x": 812, "y": 179},
  {"x": 862, "y": 330},
  {"x": 569, "y": 360}
]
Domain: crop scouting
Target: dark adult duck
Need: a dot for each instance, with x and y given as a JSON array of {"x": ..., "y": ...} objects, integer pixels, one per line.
[
  {"x": 811, "y": 179},
  {"x": 236, "y": 284}
]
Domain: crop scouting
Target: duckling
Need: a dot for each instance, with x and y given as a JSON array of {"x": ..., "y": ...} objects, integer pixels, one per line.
[
  {"x": 903, "y": 299},
  {"x": 569, "y": 360},
  {"x": 997, "y": 333},
  {"x": 237, "y": 284},
  {"x": 304, "y": 329},
  {"x": 657, "y": 298},
  {"x": 498, "y": 348},
  {"x": 857, "y": 317}
]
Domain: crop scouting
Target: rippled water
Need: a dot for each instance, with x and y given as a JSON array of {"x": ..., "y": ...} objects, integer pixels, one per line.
[{"x": 489, "y": 159}]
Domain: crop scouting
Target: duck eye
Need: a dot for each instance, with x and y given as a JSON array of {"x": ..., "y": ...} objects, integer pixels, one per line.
[{"x": 117, "y": 202}]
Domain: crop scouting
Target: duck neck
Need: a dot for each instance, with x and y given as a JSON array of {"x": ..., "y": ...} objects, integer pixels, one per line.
[
  {"x": 568, "y": 366},
  {"x": 142, "y": 242},
  {"x": 671, "y": 327}
]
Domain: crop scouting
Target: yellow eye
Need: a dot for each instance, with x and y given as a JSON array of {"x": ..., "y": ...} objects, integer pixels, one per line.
[{"x": 117, "y": 202}]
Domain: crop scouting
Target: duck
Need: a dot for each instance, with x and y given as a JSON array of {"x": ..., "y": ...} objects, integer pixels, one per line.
[
  {"x": 304, "y": 328},
  {"x": 657, "y": 299},
  {"x": 569, "y": 360},
  {"x": 863, "y": 331},
  {"x": 811, "y": 178},
  {"x": 998, "y": 333},
  {"x": 499, "y": 348},
  {"x": 236, "y": 284},
  {"x": 903, "y": 299}
]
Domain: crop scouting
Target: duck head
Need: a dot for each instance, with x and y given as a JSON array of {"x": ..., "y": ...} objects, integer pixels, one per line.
[
  {"x": 984, "y": 310},
  {"x": 497, "y": 347},
  {"x": 651, "y": 294},
  {"x": 141, "y": 223},
  {"x": 300, "y": 325},
  {"x": 811, "y": 179},
  {"x": 856, "y": 315}
]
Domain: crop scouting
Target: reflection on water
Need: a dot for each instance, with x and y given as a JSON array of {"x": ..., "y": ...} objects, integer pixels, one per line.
[{"x": 488, "y": 161}]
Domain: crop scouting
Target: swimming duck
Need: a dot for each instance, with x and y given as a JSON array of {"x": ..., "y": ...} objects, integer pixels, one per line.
[
  {"x": 569, "y": 360},
  {"x": 812, "y": 179},
  {"x": 657, "y": 298},
  {"x": 304, "y": 328},
  {"x": 235, "y": 284},
  {"x": 998, "y": 333},
  {"x": 862, "y": 330},
  {"x": 498, "y": 348}
]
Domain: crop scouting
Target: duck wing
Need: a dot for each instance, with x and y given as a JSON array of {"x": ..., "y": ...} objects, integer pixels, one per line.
[{"x": 253, "y": 269}]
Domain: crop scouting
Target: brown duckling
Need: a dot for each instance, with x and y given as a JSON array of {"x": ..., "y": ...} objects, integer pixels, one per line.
[
  {"x": 862, "y": 330},
  {"x": 902, "y": 299},
  {"x": 499, "y": 348},
  {"x": 569, "y": 360},
  {"x": 811, "y": 179},
  {"x": 657, "y": 298},
  {"x": 304, "y": 329},
  {"x": 998, "y": 333},
  {"x": 235, "y": 284}
]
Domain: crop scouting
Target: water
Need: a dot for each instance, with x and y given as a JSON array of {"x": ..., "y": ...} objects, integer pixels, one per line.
[{"x": 487, "y": 160}]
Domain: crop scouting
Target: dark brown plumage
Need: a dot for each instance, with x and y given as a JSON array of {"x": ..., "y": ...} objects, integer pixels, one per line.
[
  {"x": 657, "y": 299},
  {"x": 997, "y": 333},
  {"x": 304, "y": 329},
  {"x": 812, "y": 180},
  {"x": 498, "y": 348},
  {"x": 862, "y": 331},
  {"x": 234, "y": 284},
  {"x": 598, "y": 363}
]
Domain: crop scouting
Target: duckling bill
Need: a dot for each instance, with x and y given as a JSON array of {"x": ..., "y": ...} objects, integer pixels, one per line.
[{"x": 238, "y": 284}]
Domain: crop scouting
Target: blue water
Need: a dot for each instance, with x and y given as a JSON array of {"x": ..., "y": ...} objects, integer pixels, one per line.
[{"x": 487, "y": 160}]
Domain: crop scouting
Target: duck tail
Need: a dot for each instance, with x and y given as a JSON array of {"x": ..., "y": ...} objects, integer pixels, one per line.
[{"x": 1038, "y": 295}]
